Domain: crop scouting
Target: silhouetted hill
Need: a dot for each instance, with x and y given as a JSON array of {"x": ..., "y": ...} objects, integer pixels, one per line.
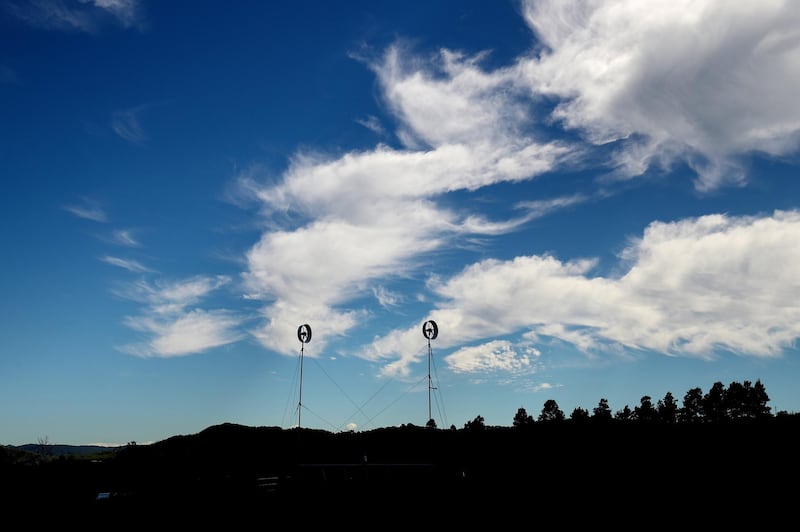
[
  {"x": 597, "y": 469},
  {"x": 66, "y": 450}
]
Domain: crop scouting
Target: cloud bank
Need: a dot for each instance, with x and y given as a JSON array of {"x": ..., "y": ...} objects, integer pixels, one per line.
[
  {"x": 695, "y": 287},
  {"x": 702, "y": 83}
]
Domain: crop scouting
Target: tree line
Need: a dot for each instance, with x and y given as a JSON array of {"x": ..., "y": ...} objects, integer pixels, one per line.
[{"x": 738, "y": 401}]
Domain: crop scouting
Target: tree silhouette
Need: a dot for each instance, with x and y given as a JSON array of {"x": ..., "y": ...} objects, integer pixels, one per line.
[
  {"x": 667, "y": 409},
  {"x": 475, "y": 424},
  {"x": 746, "y": 401},
  {"x": 602, "y": 412},
  {"x": 579, "y": 414},
  {"x": 625, "y": 414},
  {"x": 43, "y": 444},
  {"x": 757, "y": 400},
  {"x": 692, "y": 410},
  {"x": 551, "y": 411},
  {"x": 645, "y": 411},
  {"x": 714, "y": 403},
  {"x": 522, "y": 418}
]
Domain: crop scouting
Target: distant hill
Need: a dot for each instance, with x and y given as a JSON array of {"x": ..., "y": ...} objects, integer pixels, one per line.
[{"x": 65, "y": 450}]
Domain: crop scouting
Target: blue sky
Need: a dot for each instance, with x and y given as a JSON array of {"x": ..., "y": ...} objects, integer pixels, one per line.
[{"x": 591, "y": 200}]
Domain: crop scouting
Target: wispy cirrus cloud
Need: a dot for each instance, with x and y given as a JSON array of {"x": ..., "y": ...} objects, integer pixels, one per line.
[
  {"x": 125, "y": 237},
  {"x": 372, "y": 123},
  {"x": 538, "y": 208},
  {"x": 88, "y": 209},
  {"x": 77, "y": 15},
  {"x": 386, "y": 298},
  {"x": 695, "y": 287},
  {"x": 173, "y": 323},
  {"x": 127, "y": 264},
  {"x": 125, "y": 123}
]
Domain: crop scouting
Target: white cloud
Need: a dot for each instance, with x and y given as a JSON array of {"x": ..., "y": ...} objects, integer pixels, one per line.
[
  {"x": 172, "y": 327},
  {"x": 124, "y": 237},
  {"x": 372, "y": 123},
  {"x": 695, "y": 287},
  {"x": 126, "y": 124},
  {"x": 497, "y": 355},
  {"x": 127, "y": 12},
  {"x": 81, "y": 15},
  {"x": 540, "y": 208},
  {"x": 371, "y": 215},
  {"x": 621, "y": 72},
  {"x": 698, "y": 81},
  {"x": 128, "y": 264},
  {"x": 190, "y": 332},
  {"x": 542, "y": 387},
  {"x": 386, "y": 298},
  {"x": 89, "y": 210}
]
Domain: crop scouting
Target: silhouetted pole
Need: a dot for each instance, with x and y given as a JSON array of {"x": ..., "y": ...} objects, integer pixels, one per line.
[
  {"x": 304, "y": 335},
  {"x": 430, "y": 330},
  {"x": 429, "y": 380}
]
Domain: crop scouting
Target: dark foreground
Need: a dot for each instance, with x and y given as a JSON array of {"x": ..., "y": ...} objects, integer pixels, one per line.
[{"x": 566, "y": 476}]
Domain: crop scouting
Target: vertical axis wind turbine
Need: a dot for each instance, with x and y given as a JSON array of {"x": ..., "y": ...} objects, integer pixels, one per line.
[
  {"x": 304, "y": 335},
  {"x": 430, "y": 331}
]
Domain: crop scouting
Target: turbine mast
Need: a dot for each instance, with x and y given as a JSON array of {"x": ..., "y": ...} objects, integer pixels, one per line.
[
  {"x": 304, "y": 335},
  {"x": 430, "y": 331}
]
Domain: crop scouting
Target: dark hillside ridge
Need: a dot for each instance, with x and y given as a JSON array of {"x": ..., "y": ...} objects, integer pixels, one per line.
[
  {"x": 237, "y": 470},
  {"x": 65, "y": 450}
]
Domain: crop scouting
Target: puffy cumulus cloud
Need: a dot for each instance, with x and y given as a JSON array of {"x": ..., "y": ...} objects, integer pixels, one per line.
[
  {"x": 342, "y": 225},
  {"x": 172, "y": 326},
  {"x": 620, "y": 72},
  {"x": 497, "y": 355},
  {"x": 695, "y": 287},
  {"x": 456, "y": 103},
  {"x": 702, "y": 81}
]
